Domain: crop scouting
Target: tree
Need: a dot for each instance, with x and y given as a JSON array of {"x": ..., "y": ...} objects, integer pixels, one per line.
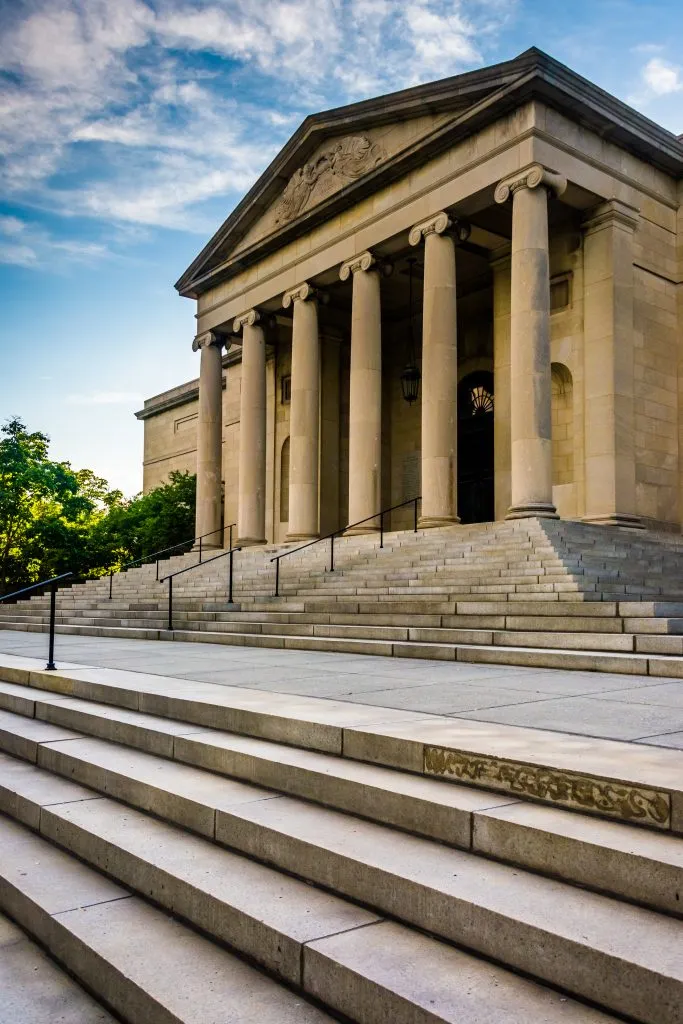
[{"x": 54, "y": 519}]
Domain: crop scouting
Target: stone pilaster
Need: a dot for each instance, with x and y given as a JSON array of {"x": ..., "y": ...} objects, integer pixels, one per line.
[
  {"x": 530, "y": 381},
  {"x": 208, "y": 516},
  {"x": 304, "y": 414},
  {"x": 365, "y": 398},
  {"x": 608, "y": 364},
  {"x": 439, "y": 373},
  {"x": 251, "y": 501}
]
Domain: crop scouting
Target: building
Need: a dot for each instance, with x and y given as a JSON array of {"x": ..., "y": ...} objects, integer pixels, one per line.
[{"x": 509, "y": 244}]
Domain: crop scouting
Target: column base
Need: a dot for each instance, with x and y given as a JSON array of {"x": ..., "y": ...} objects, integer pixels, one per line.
[
  {"x": 615, "y": 519},
  {"x": 250, "y": 542},
  {"x": 207, "y": 546},
  {"x": 533, "y": 510},
  {"x": 432, "y": 522},
  {"x": 303, "y": 536}
]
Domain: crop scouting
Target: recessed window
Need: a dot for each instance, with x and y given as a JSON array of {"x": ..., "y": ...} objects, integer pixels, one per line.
[
  {"x": 560, "y": 294},
  {"x": 285, "y": 390}
]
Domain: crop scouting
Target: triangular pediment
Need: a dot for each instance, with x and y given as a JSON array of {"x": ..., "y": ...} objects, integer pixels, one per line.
[
  {"x": 338, "y": 156},
  {"x": 336, "y": 163}
]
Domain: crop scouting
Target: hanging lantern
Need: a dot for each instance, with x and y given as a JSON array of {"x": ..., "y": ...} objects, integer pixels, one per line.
[{"x": 410, "y": 378}]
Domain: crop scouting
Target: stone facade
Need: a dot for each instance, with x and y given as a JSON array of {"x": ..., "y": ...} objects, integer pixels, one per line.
[{"x": 537, "y": 222}]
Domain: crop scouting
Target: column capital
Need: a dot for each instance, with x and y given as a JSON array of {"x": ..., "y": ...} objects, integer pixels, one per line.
[
  {"x": 248, "y": 319},
  {"x": 363, "y": 261},
  {"x": 207, "y": 339},
  {"x": 440, "y": 224},
  {"x": 611, "y": 212},
  {"x": 530, "y": 177},
  {"x": 302, "y": 293}
]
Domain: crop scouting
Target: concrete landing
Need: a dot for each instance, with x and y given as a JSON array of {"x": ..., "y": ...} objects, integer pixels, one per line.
[{"x": 638, "y": 709}]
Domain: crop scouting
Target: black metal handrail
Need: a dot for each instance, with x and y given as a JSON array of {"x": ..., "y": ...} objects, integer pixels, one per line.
[
  {"x": 167, "y": 551},
  {"x": 52, "y": 583},
  {"x": 171, "y": 576},
  {"x": 338, "y": 533}
]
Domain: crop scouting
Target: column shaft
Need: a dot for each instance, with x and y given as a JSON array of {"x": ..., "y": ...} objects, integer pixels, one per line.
[
  {"x": 251, "y": 516},
  {"x": 439, "y": 383},
  {"x": 209, "y": 445},
  {"x": 304, "y": 422},
  {"x": 365, "y": 401},
  {"x": 530, "y": 383}
]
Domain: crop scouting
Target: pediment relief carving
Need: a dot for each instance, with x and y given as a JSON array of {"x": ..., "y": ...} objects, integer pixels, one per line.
[{"x": 331, "y": 169}]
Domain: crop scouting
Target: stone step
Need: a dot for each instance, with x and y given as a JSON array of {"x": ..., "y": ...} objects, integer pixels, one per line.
[
  {"x": 148, "y": 967},
  {"x": 619, "y": 781},
  {"x": 622, "y": 957},
  {"x": 35, "y": 990},
  {"x": 605, "y": 856}
]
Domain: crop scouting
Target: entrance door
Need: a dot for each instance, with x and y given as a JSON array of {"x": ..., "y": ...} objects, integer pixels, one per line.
[{"x": 475, "y": 448}]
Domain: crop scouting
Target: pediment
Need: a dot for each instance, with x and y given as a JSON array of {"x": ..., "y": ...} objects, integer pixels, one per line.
[
  {"x": 335, "y": 164},
  {"x": 342, "y": 155}
]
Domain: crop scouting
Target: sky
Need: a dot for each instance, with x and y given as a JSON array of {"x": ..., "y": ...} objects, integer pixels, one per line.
[{"x": 129, "y": 129}]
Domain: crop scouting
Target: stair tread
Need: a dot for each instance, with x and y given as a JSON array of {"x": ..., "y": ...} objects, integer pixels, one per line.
[
  {"x": 132, "y": 954},
  {"x": 188, "y": 875}
]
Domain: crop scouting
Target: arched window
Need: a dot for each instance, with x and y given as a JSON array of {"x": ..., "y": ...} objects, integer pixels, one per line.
[
  {"x": 284, "y": 481},
  {"x": 562, "y": 424}
]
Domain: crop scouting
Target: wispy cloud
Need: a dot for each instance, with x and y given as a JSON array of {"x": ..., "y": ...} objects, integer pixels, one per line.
[
  {"x": 140, "y": 112},
  {"x": 31, "y": 245}
]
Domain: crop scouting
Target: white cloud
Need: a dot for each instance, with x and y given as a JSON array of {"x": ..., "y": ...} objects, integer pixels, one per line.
[
  {"x": 662, "y": 78},
  {"x": 119, "y": 96},
  {"x": 30, "y": 245},
  {"x": 105, "y": 398}
]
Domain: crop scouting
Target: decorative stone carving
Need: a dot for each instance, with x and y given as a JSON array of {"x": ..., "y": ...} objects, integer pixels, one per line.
[
  {"x": 248, "y": 319},
  {"x": 530, "y": 177},
  {"x": 600, "y": 796},
  {"x": 363, "y": 261},
  {"x": 343, "y": 162},
  {"x": 206, "y": 339},
  {"x": 302, "y": 292}
]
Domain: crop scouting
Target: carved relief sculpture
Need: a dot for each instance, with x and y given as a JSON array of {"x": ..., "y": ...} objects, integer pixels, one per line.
[{"x": 345, "y": 161}]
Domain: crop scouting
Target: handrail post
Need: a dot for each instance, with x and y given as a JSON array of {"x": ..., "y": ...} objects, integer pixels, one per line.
[
  {"x": 50, "y": 667},
  {"x": 230, "y": 580},
  {"x": 170, "y": 602},
  {"x": 157, "y": 570},
  {"x": 111, "y": 583},
  {"x": 277, "y": 577},
  {"x": 381, "y": 529},
  {"x": 200, "y": 550},
  {"x": 415, "y": 528},
  {"x": 231, "y": 525}
]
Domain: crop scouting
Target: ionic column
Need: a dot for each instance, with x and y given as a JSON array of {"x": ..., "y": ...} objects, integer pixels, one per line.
[
  {"x": 209, "y": 440},
  {"x": 251, "y": 501},
  {"x": 304, "y": 428},
  {"x": 365, "y": 398},
  {"x": 439, "y": 373},
  {"x": 530, "y": 384}
]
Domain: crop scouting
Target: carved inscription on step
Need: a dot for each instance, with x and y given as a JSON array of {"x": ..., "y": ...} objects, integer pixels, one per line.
[
  {"x": 582, "y": 792},
  {"x": 332, "y": 169}
]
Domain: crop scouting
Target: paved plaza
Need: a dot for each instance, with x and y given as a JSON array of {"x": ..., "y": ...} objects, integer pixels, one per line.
[{"x": 639, "y": 709}]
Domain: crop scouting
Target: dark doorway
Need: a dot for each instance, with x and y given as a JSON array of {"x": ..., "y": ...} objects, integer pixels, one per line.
[{"x": 475, "y": 448}]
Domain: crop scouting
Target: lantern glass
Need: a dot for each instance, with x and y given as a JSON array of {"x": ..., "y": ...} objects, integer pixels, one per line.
[{"x": 410, "y": 383}]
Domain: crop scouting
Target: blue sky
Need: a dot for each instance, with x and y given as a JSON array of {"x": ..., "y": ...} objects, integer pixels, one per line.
[{"x": 130, "y": 128}]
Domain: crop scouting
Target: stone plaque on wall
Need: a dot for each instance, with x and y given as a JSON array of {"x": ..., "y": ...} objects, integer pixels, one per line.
[{"x": 411, "y": 476}]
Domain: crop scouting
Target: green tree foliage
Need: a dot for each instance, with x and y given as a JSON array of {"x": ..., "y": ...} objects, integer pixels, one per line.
[{"x": 55, "y": 519}]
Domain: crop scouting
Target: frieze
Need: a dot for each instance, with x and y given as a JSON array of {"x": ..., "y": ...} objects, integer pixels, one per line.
[
  {"x": 333, "y": 168},
  {"x": 581, "y": 792}
]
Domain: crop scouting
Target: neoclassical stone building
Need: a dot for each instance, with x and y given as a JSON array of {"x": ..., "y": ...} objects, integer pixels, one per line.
[{"x": 469, "y": 290}]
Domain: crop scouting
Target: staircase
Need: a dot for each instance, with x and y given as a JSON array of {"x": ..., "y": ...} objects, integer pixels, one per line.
[
  {"x": 532, "y": 592},
  {"x": 303, "y": 860}
]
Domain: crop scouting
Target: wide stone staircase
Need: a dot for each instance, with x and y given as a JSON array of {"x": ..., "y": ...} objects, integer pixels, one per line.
[
  {"x": 534, "y": 592},
  {"x": 204, "y": 854}
]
